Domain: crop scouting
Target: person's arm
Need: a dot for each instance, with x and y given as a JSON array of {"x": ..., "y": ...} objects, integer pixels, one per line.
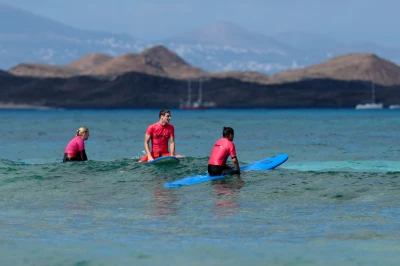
[
  {"x": 172, "y": 145},
  {"x": 147, "y": 147},
  {"x": 83, "y": 155},
  {"x": 234, "y": 157},
  {"x": 236, "y": 163},
  {"x": 81, "y": 149}
]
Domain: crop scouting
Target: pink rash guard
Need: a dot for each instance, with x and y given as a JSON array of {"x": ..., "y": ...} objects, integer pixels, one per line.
[
  {"x": 221, "y": 150},
  {"x": 75, "y": 145}
]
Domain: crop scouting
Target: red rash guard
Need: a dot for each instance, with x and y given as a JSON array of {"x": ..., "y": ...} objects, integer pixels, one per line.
[
  {"x": 159, "y": 136},
  {"x": 221, "y": 150}
]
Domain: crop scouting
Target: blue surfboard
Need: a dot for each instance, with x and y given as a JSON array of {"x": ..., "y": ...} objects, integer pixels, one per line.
[
  {"x": 165, "y": 160},
  {"x": 265, "y": 164}
]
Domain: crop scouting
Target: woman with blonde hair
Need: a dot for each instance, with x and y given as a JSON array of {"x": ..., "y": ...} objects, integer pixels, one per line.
[{"x": 75, "y": 150}]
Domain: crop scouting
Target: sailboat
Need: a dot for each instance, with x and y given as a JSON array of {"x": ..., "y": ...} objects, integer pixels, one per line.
[
  {"x": 370, "y": 105},
  {"x": 198, "y": 105}
]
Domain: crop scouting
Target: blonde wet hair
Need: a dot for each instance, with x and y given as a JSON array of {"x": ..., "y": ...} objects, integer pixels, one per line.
[{"x": 81, "y": 131}]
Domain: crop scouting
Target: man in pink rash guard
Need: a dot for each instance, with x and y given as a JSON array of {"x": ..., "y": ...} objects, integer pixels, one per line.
[
  {"x": 75, "y": 150},
  {"x": 159, "y": 133},
  {"x": 220, "y": 152}
]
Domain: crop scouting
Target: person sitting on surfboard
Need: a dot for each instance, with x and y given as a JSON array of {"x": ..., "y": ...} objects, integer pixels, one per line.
[
  {"x": 159, "y": 133},
  {"x": 75, "y": 150},
  {"x": 220, "y": 152}
]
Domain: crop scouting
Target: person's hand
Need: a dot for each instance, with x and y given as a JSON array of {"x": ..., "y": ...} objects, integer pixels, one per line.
[{"x": 150, "y": 158}]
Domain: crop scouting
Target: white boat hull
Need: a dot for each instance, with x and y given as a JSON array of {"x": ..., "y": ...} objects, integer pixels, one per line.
[{"x": 369, "y": 106}]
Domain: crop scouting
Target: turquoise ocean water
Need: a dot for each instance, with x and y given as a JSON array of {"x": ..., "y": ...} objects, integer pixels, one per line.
[{"x": 334, "y": 202}]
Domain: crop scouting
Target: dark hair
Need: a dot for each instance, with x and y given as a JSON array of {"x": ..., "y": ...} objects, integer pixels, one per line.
[
  {"x": 227, "y": 131},
  {"x": 163, "y": 112}
]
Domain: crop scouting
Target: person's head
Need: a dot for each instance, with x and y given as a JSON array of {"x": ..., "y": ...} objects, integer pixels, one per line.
[
  {"x": 165, "y": 116},
  {"x": 228, "y": 133},
  {"x": 83, "y": 132}
]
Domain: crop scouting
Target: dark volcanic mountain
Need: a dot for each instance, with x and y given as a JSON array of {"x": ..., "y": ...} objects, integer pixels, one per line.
[
  {"x": 139, "y": 90},
  {"x": 4, "y": 73}
]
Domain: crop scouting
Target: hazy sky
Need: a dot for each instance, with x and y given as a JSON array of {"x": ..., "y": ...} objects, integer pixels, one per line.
[{"x": 369, "y": 20}]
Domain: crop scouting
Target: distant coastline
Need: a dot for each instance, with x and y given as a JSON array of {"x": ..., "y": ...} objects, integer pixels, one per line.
[
  {"x": 158, "y": 78},
  {"x": 142, "y": 91}
]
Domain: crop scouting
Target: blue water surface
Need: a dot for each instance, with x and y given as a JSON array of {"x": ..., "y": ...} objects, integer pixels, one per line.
[{"x": 334, "y": 202}]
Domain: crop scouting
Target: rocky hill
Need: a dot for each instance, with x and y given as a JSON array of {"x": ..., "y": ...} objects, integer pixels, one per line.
[
  {"x": 351, "y": 67},
  {"x": 157, "y": 61},
  {"x": 247, "y": 76},
  {"x": 160, "y": 61},
  {"x": 89, "y": 62},
  {"x": 43, "y": 70}
]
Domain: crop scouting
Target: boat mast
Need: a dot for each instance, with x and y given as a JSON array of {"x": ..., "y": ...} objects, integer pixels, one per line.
[
  {"x": 373, "y": 92},
  {"x": 200, "y": 92},
  {"x": 189, "y": 93}
]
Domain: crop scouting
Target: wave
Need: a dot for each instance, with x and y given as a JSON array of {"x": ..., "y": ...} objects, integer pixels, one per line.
[
  {"x": 200, "y": 165},
  {"x": 11, "y": 171},
  {"x": 345, "y": 166}
]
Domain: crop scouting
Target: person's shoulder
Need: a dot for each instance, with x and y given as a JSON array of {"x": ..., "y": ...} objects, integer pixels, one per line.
[
  {"x": 220, "y": 140},
  {"x": 230, "y": 142},
  {"x": 152, "y": 125},
  {"x": 170, "y": 126},
  {"x": 78, "y": 139}
]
